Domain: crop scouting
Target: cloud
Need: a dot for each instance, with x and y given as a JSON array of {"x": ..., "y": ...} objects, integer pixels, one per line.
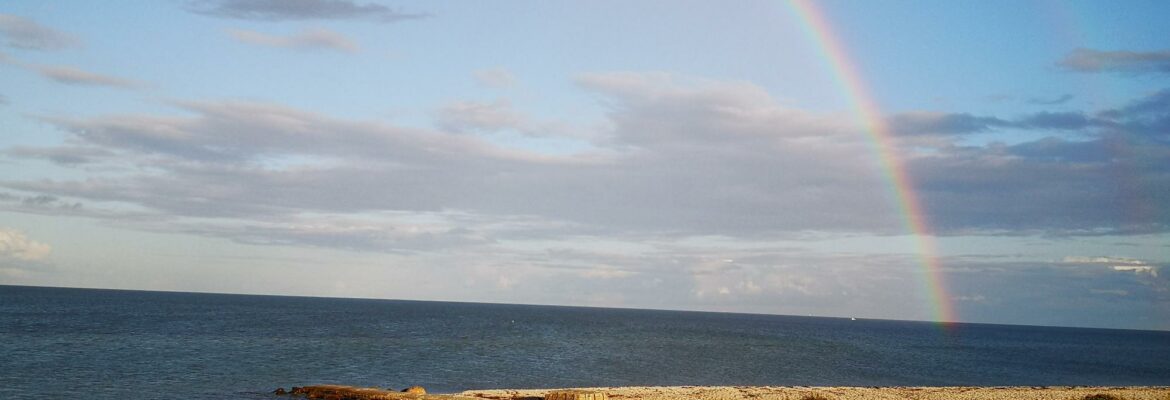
[
  {"x": 943, "y": 123},
  {"x": 496, "y": 116},
  {"x": 666, "y": 167},
  {"x": 674, "y": 156},
  {"x": 1137, "y": 269},
  {"x": 283, "y": 10},
  {"x": 23, "y": 33},
  {"x": 1102, "y": 260},
  {"x": 471, "y": 116},
  {"x": 495, "y": 78},
  {"x": 1065, "y": 98},
  {"x": 1094, "y": 175},
  {"x": 1051, "y": 185},
  {"x": 1056, "y": 293},
  {"x": 1055, "y": 120},
  {"x": 1133, "y": 62},
  {"x": 1156, "y": 104},
  {"x": 75, "y": 76},
  {"x": 311, "y": 39},
  {"x": 71, "y": 75},
  {"x": 63, "y": 155},
  {"x": 606, "y": 272},
  {"x": 369, "y": 234},
  {"x": 15, "y": 245},
  {"x": 40, "y": 204},
  {"x": 1120, "y": 264}
]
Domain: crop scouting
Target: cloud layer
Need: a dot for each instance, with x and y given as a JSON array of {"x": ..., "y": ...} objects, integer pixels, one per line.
[{"x": 680, "y": 156}]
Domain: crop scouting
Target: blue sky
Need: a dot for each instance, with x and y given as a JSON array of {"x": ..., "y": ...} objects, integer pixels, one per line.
[{"x": 677, "y": 155}]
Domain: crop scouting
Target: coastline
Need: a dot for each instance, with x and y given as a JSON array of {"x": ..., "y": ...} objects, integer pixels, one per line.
[
  {"x": 754, "y": 393},
  {"x": 843, "y": 393}
]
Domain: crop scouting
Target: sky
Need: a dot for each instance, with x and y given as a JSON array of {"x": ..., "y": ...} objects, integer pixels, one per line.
[{"x": 965, "y": 161}]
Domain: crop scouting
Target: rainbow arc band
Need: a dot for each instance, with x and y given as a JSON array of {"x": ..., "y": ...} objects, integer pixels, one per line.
[{"x": 894, "y": 172}]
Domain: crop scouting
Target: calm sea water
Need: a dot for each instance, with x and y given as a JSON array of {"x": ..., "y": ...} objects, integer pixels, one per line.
[{"x": 105, "y": 344}]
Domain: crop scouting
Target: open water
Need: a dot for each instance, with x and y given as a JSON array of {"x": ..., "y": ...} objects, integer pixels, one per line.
[{"x": 108, "y": 344}]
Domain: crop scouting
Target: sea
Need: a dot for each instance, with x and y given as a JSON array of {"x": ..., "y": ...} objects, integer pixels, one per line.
[{"x": 114, "y": 344}]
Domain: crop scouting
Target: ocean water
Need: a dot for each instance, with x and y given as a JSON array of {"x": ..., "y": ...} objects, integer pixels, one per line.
[{"x": 106, "y": 344}]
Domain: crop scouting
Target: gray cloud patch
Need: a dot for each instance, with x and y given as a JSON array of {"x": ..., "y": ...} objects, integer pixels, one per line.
[
  {"x": 1102, "y": 179},
  {"x": 40, "y": 203},
  {"x": 1089, "y": 60},
  {"x": 1055, "y": 120},
  {"x": 469, "y": 116},
  {"x": 1065, "y": 98},
  {"x": 280, "y": 10},
  {"x": 74, "y": 76},
  {"x": 311, "y": 39},
  {"x": 936, "y": 123},
  {"x": 23, "y": 33},
  {"x": 943, "y": 123}
]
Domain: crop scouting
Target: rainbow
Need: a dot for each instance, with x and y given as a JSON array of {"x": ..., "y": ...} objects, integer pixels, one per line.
[{"x": 819, "y": 29}]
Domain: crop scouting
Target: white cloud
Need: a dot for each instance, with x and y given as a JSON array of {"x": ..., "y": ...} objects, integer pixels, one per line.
[
  {"x": 1137, "y": 269},
  {"x": 1102, "y": 260},
  {"x": 15, "y": 245},
  {"x": 1121, "y": 264}
]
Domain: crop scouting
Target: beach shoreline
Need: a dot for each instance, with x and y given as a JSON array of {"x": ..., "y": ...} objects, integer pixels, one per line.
[
  {"x": 842, "y": 393},
  {"x": 761, "y": 393}
]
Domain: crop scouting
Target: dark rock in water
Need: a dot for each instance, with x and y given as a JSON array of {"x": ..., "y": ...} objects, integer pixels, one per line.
[
  {"x": 414, "y": 390},
  {"x": 279, "y": 391}
]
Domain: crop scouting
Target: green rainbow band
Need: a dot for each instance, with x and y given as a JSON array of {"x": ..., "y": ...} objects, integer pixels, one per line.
[{"x": 819, "y": 30}]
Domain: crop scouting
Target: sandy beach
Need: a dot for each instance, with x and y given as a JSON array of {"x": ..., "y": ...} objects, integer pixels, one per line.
[
  {"x": 767, "y": 393},
  {"x": 843, "y": 393}
]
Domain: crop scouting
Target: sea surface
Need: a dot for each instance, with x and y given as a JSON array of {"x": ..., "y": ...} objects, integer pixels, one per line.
[{"x": 108, "y": 344}]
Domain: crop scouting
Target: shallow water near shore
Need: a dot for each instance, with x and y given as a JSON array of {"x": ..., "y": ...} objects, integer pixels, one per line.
[{"x": 105, "y": 344}]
